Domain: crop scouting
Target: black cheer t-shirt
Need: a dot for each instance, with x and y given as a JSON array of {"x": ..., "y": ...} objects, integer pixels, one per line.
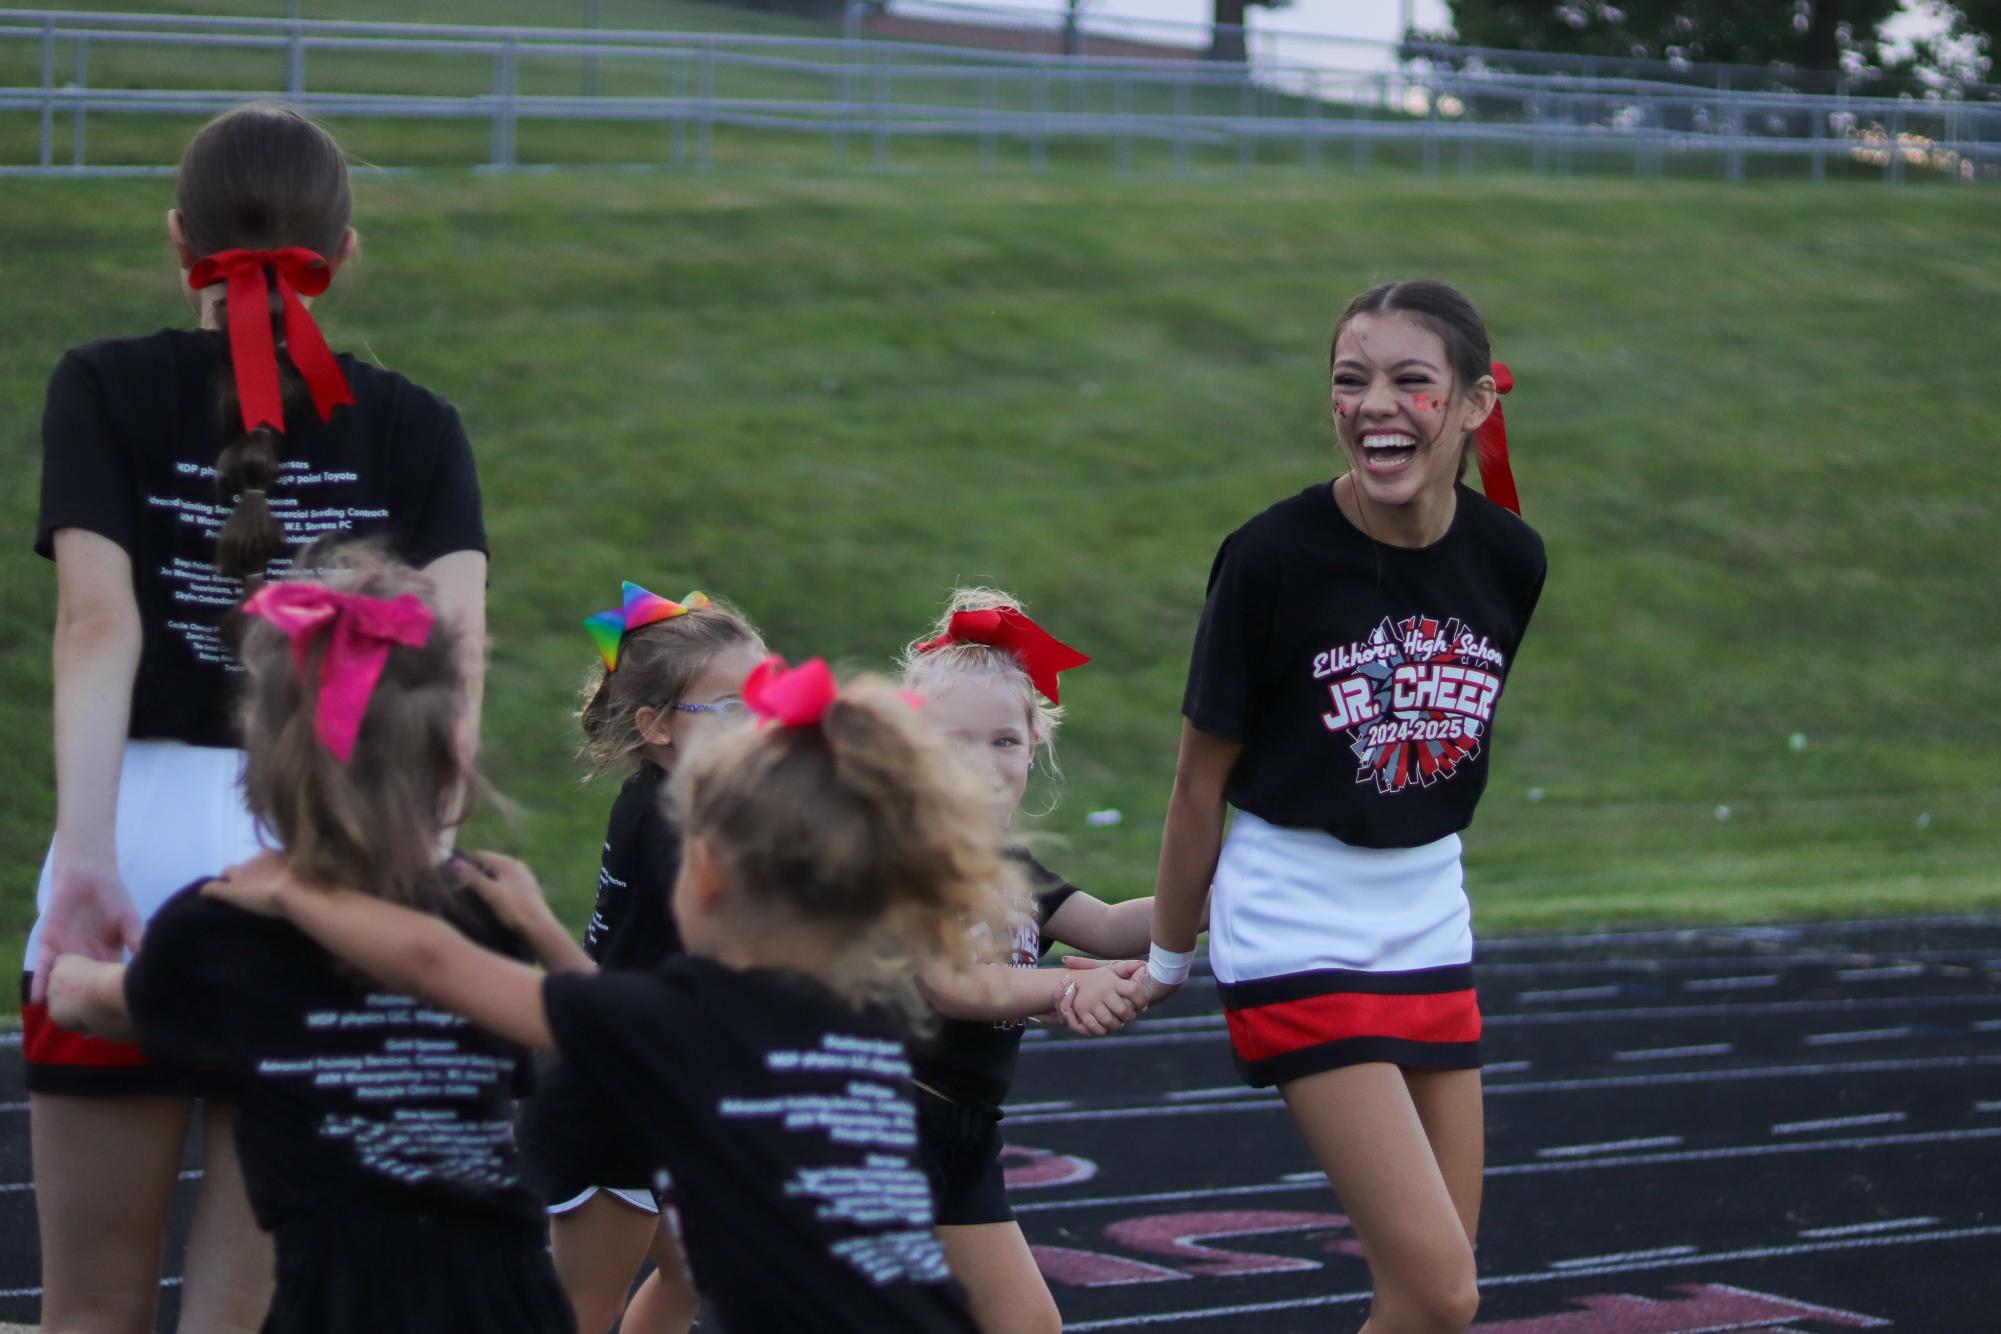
[
  {"x": 785, "y": 1124},
  {"x": 973, "y": 1062},
  {"x": 1362, "y": 679},
  {"x": 569, "y": 1138},
  {"x": 347, "y": 1095},
  {"x": 632, "y": 926},
  {"x": 130, "y": 436}
]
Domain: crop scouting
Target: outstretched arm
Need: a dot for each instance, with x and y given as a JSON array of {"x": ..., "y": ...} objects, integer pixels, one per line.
[
  {"x": 404, "y": 950},
  {"x": 1108, "y": 930},
  {"x": 1191, "y": 841}
]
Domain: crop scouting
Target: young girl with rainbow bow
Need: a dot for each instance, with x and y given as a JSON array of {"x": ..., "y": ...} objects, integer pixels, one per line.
[{"x": 670, "y": 679}]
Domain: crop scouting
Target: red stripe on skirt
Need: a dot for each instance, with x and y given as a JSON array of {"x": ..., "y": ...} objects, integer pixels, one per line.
[
  {"x": 44, "y": 1043},
  {"x": 1264, "y": 1031}
]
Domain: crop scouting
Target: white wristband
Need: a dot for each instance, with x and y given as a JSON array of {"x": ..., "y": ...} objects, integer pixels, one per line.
[{"x": 1170, "y": 968}]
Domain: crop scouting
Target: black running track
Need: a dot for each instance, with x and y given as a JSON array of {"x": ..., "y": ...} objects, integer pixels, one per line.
[{"x": 1778, "y": 1130}]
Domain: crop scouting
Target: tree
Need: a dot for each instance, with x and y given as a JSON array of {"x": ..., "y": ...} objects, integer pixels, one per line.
[
  {"x": 1796, "y": 34},
  {"x": 1226, "y": 34}
]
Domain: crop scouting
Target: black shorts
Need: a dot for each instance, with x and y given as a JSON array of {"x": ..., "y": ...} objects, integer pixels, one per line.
[
  {"x": 959, "y": 1145},
  {"x": 572, "y": 1147}
]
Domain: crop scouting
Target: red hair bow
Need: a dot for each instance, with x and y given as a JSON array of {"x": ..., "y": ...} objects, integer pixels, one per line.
[
  {"x": 1491, "y": 442},
  {"x": 252, "y": 353},
  {"x": 1041, "y": 654},
  {"x": 363, "y": 630},
  {"x": 795, "y": 697}
]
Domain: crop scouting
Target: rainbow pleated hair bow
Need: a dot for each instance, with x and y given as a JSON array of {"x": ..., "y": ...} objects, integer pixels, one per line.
[{"x": 608, "y": 629}]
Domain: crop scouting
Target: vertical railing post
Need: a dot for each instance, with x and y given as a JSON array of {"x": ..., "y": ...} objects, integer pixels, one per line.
[
  {"x": 1539, "y": 141},
  {"x": 1817, "y": 114},
  {"x": 502, "y": 149},
  {"x": 1184, "y": 126},
  {"x": 1312, "y": 131},
  {"x": 677, "y": 87},
  {"x": 1430, "y": 125},
  {"x": 879, "y": 149},
  {"x": 1897, "y": 144},
  {"x": 1038, "y": 92},
  {"x": 989, "y": 114},
  {"x": 1122, "y": 110},
  {"x": 295, "y": 57},
  {"x": 706, "y": 125},
  {"x": 49, "y": 92},
  {"x": 1247, "y": 111},
  {"x": 82, "y": 96}
]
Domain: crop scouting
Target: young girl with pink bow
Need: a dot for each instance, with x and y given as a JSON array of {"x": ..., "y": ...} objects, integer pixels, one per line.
[
  {"x": 376, "y": 1132},
  {"x": 177, "y": 469},
  {"x": 826, "y": 853}
]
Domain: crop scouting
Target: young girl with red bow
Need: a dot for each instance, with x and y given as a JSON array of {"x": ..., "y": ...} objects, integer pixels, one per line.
[
  {"x": 1341, "y": 697},
  {"x": 988, "y": 675},
  {"x": 178, "y": 468},
  {"x": 825, "y": 853},
  {"x": 376, "y": 1133},
  {"x": 670, "y": 679}
]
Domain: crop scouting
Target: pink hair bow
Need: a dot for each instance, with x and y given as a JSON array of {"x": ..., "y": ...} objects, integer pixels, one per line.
[
  {"x": 791, "y": 697},
  {"x": 361, "y": 631}
]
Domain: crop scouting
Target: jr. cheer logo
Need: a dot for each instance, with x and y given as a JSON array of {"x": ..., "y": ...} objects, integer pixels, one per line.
[{"x": 1415, "y": 700}]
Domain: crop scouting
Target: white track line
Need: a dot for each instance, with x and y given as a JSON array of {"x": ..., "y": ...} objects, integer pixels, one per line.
[
  {"x": 1506, "y": 1067},
  {"x": 1580, "y": 1150},
  {"x": 1562, "y": 1275},
  {"x": 1858, "y": 1035},
  {"x": 1886, "y": 973},
  {"x": 1296, "y": 1182},
  {"x": 1864, "y": 1229},
  {"x": 1731, "y": 983},
  {"x": 1987, "y": 1106},
  {"x": 1744, "y": 934},
  {"x": 1676, "y": 1053},
  {"x": 1567, "y": 994},
  {"x": 11, "y": 1187},
  {"x": 1739, "y": 1074},
  {"x": 1840, "y": 1123},
  {"x": 1987, "y": 1026},
  {"x": 1599, "y": 1261}
]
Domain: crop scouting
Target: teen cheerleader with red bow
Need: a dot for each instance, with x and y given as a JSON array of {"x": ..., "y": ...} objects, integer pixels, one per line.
[
  {"x": 1342, "y": 697},
  {"x": 177, "y": 470}
]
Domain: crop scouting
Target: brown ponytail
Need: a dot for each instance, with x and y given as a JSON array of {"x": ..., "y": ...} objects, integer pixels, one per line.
[
  {"x": 260, "y": 177},
  {"x": 865, "y": 825}
]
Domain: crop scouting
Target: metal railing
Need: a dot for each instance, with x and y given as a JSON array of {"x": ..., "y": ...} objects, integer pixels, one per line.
[{"x": 665, "y": 97}]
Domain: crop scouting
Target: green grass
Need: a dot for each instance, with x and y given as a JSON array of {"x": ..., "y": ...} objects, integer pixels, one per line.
[{"x": 1753, "y": 425}]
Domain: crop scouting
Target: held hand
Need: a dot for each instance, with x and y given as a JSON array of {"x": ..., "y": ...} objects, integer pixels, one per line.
[
  {"x": 506, "y": 886},
  {"x": 1107, "y": 998},
  {"x": 89, "y": 914},
  {"x": 70, "y": 984},
  {"x": 256, "y": 886}
]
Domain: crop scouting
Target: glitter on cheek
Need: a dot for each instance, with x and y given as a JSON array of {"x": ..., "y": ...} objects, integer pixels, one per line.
[{"x": 1428, "y": 403}]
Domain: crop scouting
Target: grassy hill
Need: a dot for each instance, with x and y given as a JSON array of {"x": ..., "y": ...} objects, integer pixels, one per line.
[{"x": 1753, "y": 425}]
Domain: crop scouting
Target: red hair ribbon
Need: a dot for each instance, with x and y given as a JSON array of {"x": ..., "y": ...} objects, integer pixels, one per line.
[
  {"x": 363, "y": 630},
  {"x": 1491, "y": 442},
  {"x": 795, "y": 697},
  {"x": 252, "y": 353},
  {"x": 1041, "y": 654}
]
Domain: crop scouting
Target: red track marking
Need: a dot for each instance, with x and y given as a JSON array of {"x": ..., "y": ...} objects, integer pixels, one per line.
[
  {"x": 1027, "y": 1169},
  {"x": 1178, "y": 1236},
  {"x": 1700, "y": 1310},
  {"x": 1090, "y": 1269}
]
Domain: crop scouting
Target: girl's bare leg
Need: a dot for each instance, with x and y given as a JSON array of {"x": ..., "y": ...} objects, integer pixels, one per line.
[{"x": 1364, "y": 1128}]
